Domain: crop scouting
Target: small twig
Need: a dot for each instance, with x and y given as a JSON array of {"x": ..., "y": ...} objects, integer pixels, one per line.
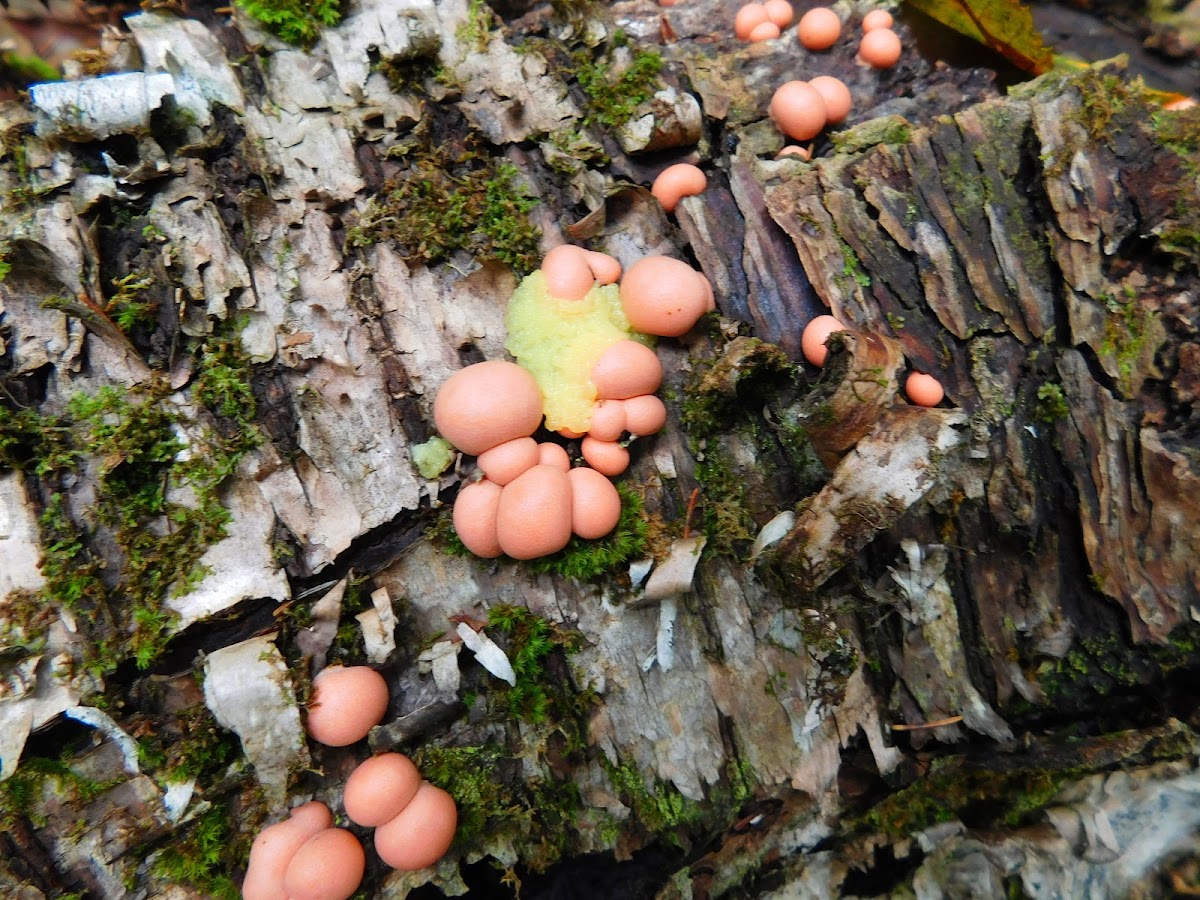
[
  {"x": 691, "y": 508},
  {"x": 475, "y": 624},
  {"x": 936, "y": 724}
]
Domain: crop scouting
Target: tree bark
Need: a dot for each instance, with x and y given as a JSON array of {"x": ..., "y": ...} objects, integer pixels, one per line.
[{"x": 880, "y": 701}]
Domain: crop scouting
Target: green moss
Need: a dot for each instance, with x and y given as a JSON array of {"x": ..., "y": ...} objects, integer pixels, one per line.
[
  {"x": 852, "y": 268},
  {"x": 296, "y": 21},
  {"x": 442, "y": 535},
  {"x": 575, "y": 151},
  {"x": 575, "y": 10},
  {"x": 25, "y": 70},
  {"x": 474, "y": 31},
  {"x": 128, "y": 307},
  {"x": 1105, "y": 99},
  {"x": 1093, "y": 668},
  {"x": 1126, "y": 331},
  {"x": 661, "y": 808},
  {"x": 537, "y": 649},
  {"x": 953, "y": 790},
  {"x": 188, "y": 745},
  {"x": 1179, "y": 132},
  {"x": 37, "y": 443},
  {"x": 131, "y": 441},
  {"x": 1052, "y": 404},
  {"x": 1030, "y": 245},
  {"x": 72, "y": 575},
  {"x": 965, "y": 191},
  {"x": 580, "y": 560},
  {"x": 201, "y": 857},
  {"x": 666, "y": 813},
  {"x": 892, "y": 130},
  {"x": 23, "y": 625},
  {"x": 222, "y": 385},
  {"x": 451, "y": 198},
  {"x": 348, "y": 645},
  {"x": 722, "y": 402},
  {"x": 470, "y": 775},
  {"x": 161, "y": 540},
  {"x": 832, "y": 648},
  {"x": 497, "y": 801},
  {"x": 411, "y": 74},
  {"x": 22, "y": 791},
  {"x": 613, "y": 100},
  {"x": 725, "y": 516},
  {"x": 748, "y": 370},
  {"x": 26, "y": 190}
]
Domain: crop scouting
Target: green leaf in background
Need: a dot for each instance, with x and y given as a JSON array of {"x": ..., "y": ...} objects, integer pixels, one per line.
[{"x": 1005, "y": 26}]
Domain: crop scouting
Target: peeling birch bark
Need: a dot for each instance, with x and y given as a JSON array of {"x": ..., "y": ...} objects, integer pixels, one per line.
[
  {"x": 249, "y": 690},
  {"x": 887, "y": 472}
]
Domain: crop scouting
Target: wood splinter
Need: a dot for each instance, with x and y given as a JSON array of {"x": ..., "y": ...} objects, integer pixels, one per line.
[{"x": 920, "y": 726}]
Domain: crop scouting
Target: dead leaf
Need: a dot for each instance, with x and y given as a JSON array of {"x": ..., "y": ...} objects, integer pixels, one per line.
[{"x": 1005, "y": 26}]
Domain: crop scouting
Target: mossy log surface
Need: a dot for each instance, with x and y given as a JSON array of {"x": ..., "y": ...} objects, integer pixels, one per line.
[{"x": 969, "y": 657}]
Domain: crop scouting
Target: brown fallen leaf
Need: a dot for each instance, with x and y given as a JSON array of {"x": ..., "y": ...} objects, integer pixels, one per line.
[{"x": 1005, "y": 26}]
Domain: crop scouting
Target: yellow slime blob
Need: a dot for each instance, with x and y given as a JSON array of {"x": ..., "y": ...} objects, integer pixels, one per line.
[{"x": 559, "y": 341}]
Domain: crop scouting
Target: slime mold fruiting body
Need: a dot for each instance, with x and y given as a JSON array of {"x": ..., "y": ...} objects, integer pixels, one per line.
[
  {"x": 414, "y": 821},
  {"x": 589, "y": 373}
]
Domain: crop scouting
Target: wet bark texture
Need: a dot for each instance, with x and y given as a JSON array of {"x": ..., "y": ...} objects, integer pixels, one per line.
[{"x": 1021, "y": 564}]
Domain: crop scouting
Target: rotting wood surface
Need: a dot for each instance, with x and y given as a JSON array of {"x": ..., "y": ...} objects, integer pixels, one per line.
[{"x": 1038, "y": 577}]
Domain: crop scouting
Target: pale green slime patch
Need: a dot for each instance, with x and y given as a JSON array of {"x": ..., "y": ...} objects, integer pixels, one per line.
[
  {"x": 559, "y": 341},
  {"x": 433, "y": 457}
]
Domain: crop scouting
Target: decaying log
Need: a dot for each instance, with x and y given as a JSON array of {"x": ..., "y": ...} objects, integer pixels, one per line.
[{"x": 1019, "y": 564}]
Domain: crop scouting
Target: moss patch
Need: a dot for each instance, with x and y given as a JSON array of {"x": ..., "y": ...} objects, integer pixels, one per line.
[
  {"x": 1099, "y": 667},
  {"x": 953, "y": 790},
  {"x": 131, "y": 441},
  {"x": 188, "y": 745},
  {"x": 1052, "y": 404},
  {"x": 474, "y": 31},
  {"x": 20, "y": 793},
  {"x": 495, "y": 800},
  {"x": 199, "y": 858},
  {"x": 1127, "y": 331},
  {"x": 452, "y": 195},
  {"x": 614, "y": 99},
  {"x": 129, "y": 308},
  {"x": 722, "y": 403},
  {"x": 544, "y": 694},
  {"x": 1179, "y": 132},
  {"x": 295, "y": 21},
  {"x": 893, "y": 130},
  {"x": 663, "y": 812}
]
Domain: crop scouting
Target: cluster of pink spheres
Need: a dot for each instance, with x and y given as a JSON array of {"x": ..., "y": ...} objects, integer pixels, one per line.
[
  {"x": 304, "y": 857},
  {"x": 922, "y": 389},
  {"x": 802, "y": 109},
  {"x": 819, "y": 29},
  {"x": 530, "y": 500}
]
